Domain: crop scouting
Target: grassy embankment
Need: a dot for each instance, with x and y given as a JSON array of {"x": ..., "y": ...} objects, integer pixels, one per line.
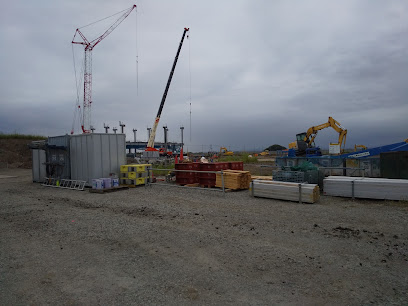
[
  {"x": 14, "y": 150},
  {"x": 22, "y": 136}
]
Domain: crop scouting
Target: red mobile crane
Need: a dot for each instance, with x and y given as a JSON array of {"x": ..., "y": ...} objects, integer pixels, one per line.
[
  {"x": 89, "y": 45},
  {"x": 150, "y": 144}
]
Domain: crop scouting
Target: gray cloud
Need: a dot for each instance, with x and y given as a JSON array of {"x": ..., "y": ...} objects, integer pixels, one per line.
[{"x": 260, "y": 71}]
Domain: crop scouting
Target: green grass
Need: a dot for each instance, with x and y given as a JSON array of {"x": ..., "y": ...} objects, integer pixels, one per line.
[
  {"x": 22, "y": 136},
  {"x": 244, "y": 157},
  {"x": 160, "y": 166}
]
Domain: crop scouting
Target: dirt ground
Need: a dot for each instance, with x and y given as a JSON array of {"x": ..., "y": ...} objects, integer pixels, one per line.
[{"x": 182, "y": 246}]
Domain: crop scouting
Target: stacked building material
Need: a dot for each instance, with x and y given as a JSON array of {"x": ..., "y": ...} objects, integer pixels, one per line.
[
  {"x": 288, "y": 176},
  {"x": 365, "y": 187},
  {"x": 197, "y": 173},
  {"x": 233, "y": 179},
  {"x": 236, "y": 165},
  {"x": 186, "y": 177},
  {"x": 209, "y": 179},
  {"x": 135, "y": 174},
  {"x": 307, "y": 193}
]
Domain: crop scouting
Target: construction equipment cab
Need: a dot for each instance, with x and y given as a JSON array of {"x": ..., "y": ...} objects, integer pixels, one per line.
[
  {"x": 305, "y": 146},
  {"x": 224, "y": 151}
]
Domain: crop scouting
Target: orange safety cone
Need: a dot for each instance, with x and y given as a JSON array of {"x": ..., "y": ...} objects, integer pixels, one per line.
[{"x": 181, "y": 155}]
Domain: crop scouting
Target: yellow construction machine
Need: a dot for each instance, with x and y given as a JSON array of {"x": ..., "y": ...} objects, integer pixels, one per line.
[
  {"x": 264, "y": 153},
  {"x": 305, "y": 141},
  {"x": 224, "y": 151},
  {"x": 359, "y": 147}
]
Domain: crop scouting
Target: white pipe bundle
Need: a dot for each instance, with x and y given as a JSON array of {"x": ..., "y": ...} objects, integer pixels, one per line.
[
  {"x": 307, "y": 193},
  {"x": 365, "y": 187}
]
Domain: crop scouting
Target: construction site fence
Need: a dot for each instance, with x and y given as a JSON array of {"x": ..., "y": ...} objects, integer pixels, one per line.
[{"x": 169, "y": 183}]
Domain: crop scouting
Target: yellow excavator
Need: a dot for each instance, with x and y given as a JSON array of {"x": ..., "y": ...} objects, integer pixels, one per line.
[
  {"x": 224, "y": 151},
  {"x": 264, "y": 153},
  {"x": 304, "y": 144},
  {"x": 359, "y": 148}
]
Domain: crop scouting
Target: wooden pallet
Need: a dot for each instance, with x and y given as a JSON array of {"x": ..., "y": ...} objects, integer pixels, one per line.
[
  {"x": 133, "y": 186},
  {"x": 261, "y": 177},
  {"x": 106, "y": 190},
  {"x": 191, "y": 185},
  {"x": 206, "y": 186},
  {"x": 232, "y": 190}
]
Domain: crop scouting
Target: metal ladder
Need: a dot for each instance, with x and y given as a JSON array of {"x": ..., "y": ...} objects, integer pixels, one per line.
[{"x": 64, "y": 183}]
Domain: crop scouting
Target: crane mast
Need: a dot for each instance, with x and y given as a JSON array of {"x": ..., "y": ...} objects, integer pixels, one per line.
[
  {"x": 150, "y": 144},
  {"x": 89, "y": 46}
]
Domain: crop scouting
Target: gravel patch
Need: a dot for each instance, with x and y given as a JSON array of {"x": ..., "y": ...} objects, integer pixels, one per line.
[{"x": 178, "y": 246}]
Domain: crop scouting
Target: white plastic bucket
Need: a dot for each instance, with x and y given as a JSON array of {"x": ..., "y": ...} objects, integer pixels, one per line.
[
  {"x": 107, "y": 182},
  {"x": 98, "y": 184},
  {"x": 115, "y": 182},
  {"x": 94, "y": 183}
]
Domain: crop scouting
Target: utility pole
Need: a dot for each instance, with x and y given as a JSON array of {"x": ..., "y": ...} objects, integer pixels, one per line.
[
  {"x": 165, "y": 137},
  {"x": 134, "y": 134},
  {"x": 182, "y": 138},
  {"x": 106, "y": 127},
  {"x": 114, "y": 130},
  {"x": 122, "y": 125}
]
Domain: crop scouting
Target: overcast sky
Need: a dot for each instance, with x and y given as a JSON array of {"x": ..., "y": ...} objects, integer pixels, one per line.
[{"x": 258, "y": 72}]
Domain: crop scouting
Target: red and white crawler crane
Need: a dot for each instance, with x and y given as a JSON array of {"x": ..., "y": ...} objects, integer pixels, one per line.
[{"x": 89, "y": 46}]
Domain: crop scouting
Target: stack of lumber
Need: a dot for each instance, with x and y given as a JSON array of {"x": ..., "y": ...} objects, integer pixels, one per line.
[
  {"x": 307, "y": 193},
  {"x": 365, "y": 187},
  {"x": 233, "y": 179}
]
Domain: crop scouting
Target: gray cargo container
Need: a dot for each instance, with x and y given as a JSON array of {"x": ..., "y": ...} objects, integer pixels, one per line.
[{"x": 96, "y": 155}]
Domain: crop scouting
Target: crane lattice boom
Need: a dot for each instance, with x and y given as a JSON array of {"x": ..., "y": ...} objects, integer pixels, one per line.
[{"x": 89, "y": 45}]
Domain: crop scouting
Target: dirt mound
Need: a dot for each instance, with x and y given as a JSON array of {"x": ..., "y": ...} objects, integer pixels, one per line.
[{"x": 15, "y": 153}]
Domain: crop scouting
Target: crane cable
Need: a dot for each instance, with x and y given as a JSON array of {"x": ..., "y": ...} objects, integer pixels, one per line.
[
  {"x": 102, "y": 19},
  {"x": 77, "y": 110},
  {"x": 189, "y": 71},
  {"x": 77, "y": 92},
  {"x": 137, "y": 60}
]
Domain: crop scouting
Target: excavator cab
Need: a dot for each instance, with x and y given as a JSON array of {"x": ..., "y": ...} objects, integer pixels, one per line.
[
  {"x": 301, "y": 142},
  {"x": 302, "y": 147}
]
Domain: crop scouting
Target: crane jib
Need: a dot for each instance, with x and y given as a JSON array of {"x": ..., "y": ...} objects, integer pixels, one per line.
[{"x": 171, "y": 75}]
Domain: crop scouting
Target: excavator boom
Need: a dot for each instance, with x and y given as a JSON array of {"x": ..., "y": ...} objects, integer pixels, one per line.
[
  {"x": 306, "y": 140},
  {"x": 312, "y": 132}
]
